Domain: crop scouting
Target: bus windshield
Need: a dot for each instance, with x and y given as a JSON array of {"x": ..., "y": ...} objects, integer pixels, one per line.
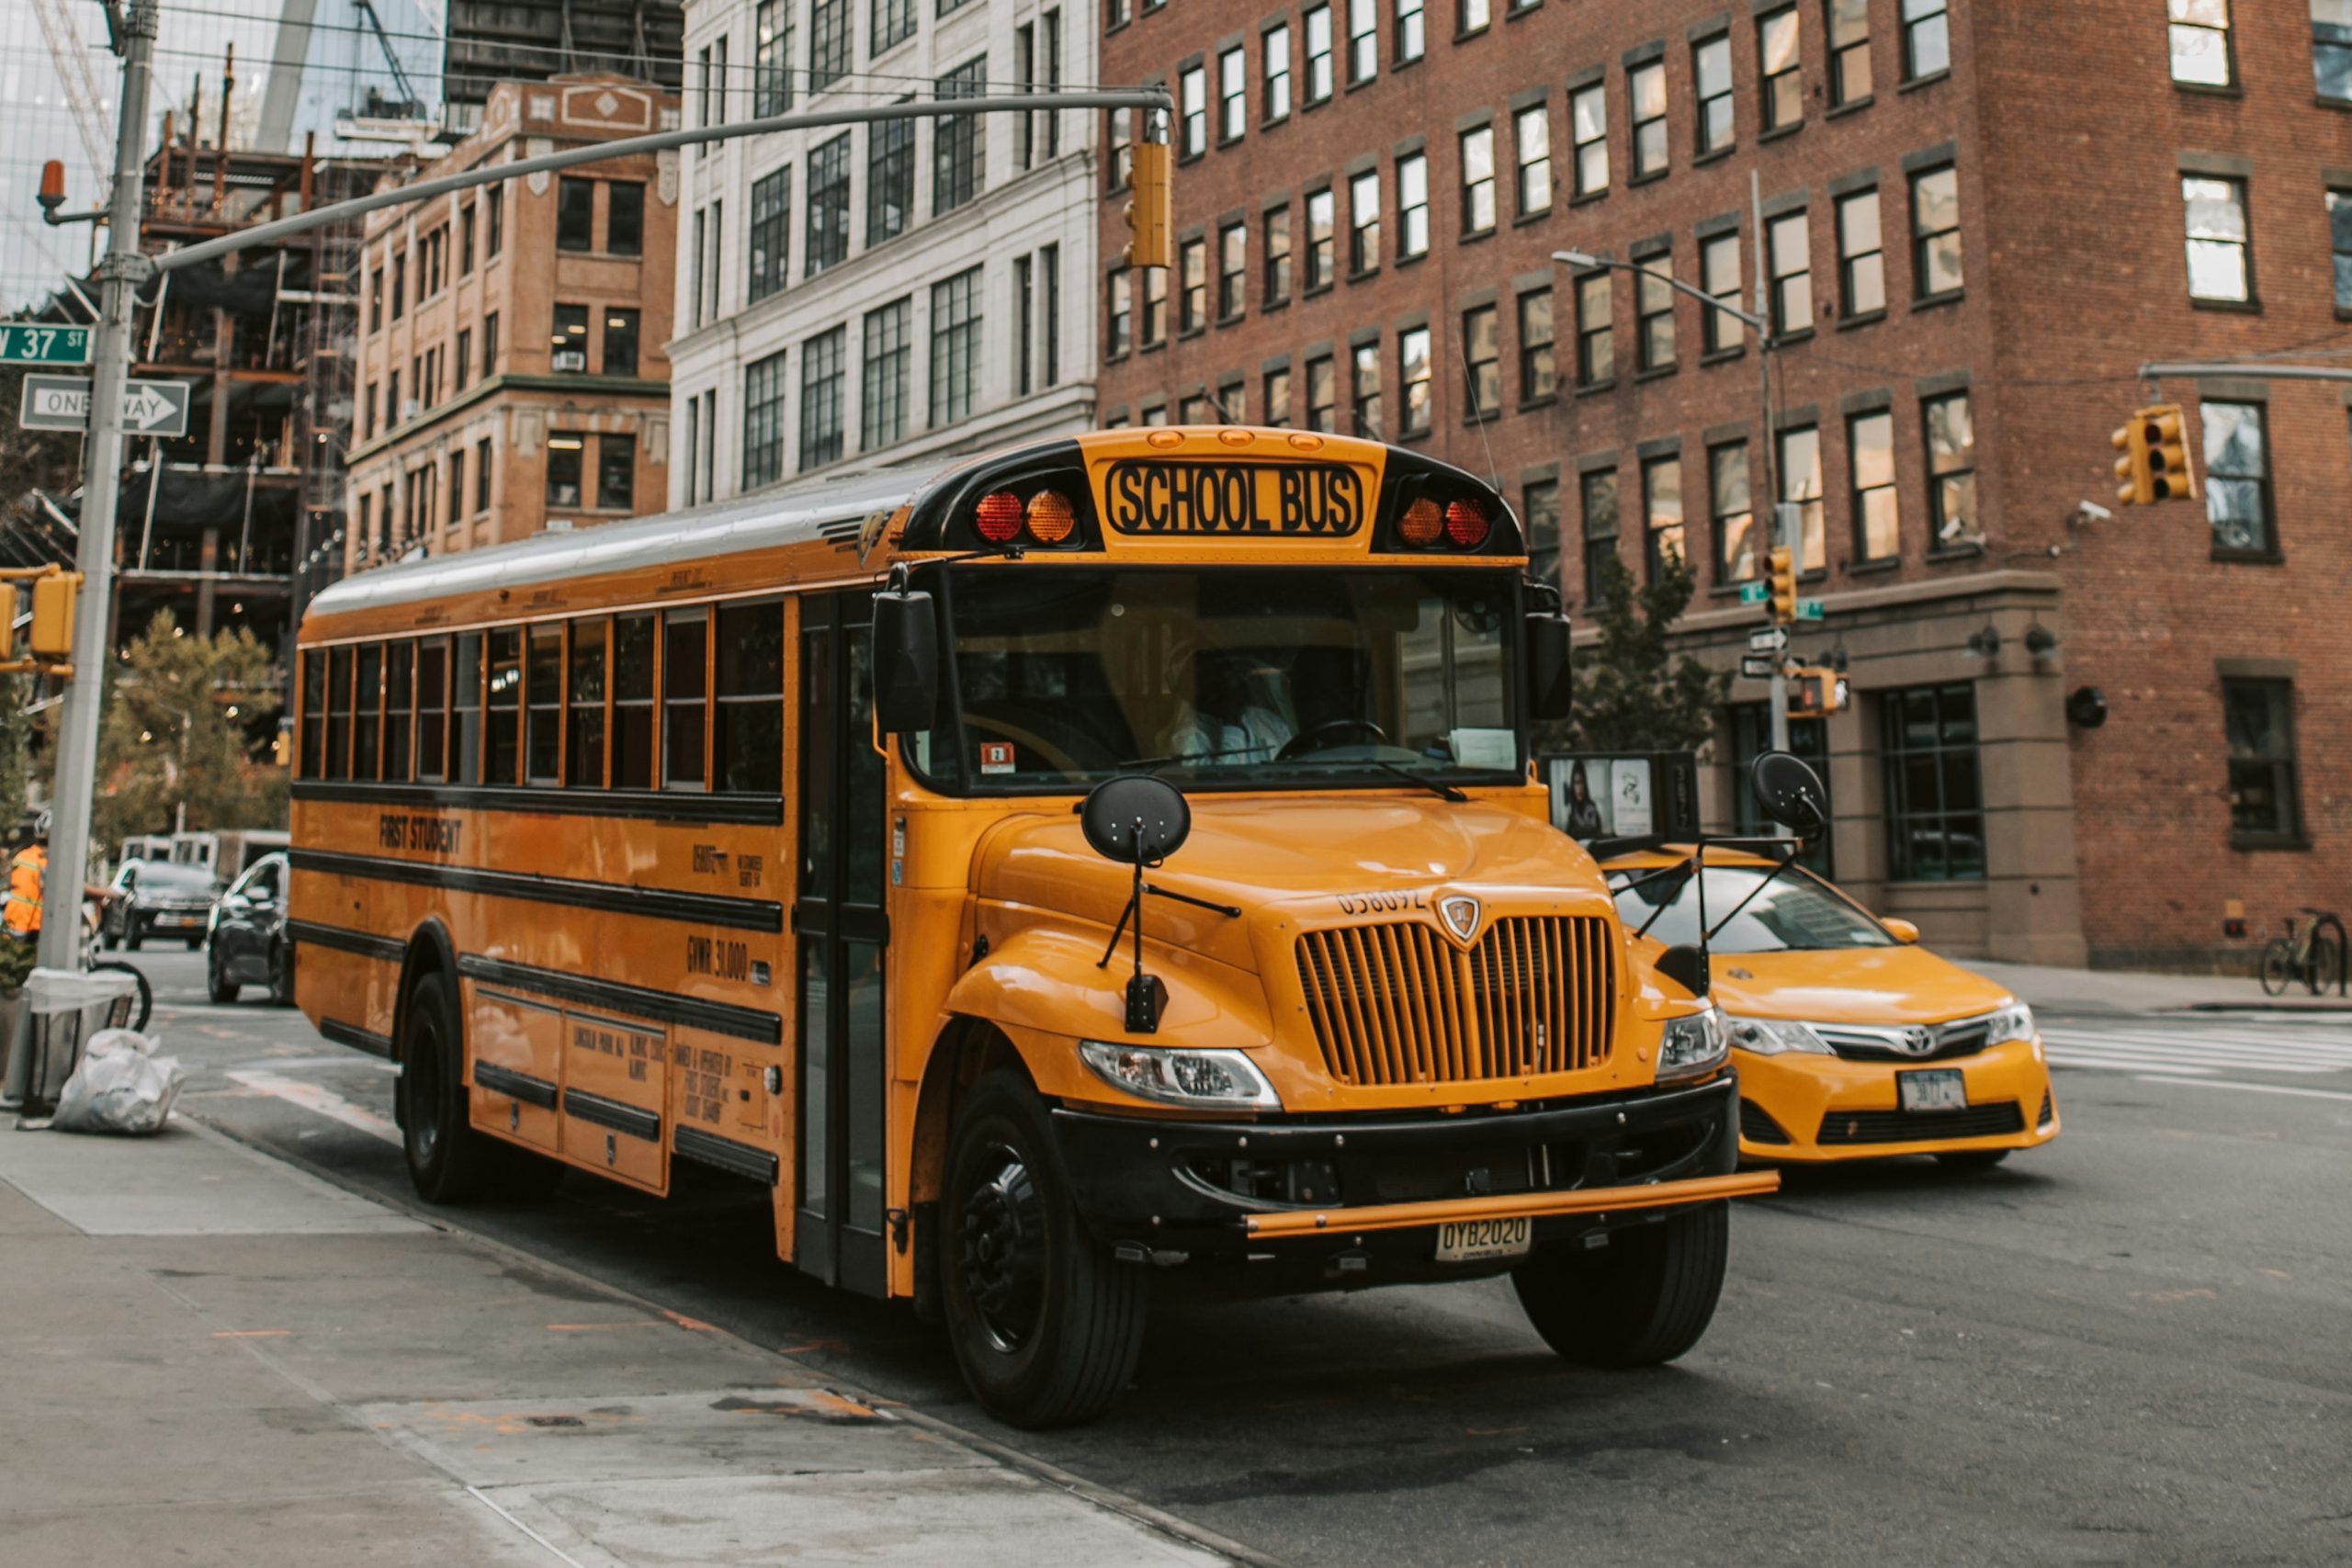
[{"x": 1264, "y": 678}]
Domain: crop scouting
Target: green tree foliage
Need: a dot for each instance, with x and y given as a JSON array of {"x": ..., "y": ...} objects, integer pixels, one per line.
[
  {"x": 168, "y": 735},
  {"x": 1634, "y": 693}
]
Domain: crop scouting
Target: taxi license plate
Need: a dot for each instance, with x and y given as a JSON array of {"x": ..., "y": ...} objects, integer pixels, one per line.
[
  {"x": 1942, "y": 1089},
  {"x": 1469, "y": 1241}
]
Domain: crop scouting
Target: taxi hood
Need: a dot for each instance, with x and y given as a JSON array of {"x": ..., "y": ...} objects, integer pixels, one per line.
[{"x": 1852, "y": 985}]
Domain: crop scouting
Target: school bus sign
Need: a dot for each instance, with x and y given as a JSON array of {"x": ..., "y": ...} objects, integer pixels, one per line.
[{"x": 35, "y": 343}]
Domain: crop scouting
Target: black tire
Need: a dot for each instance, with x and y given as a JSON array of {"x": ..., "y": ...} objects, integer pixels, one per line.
[
  {"x": 1644, "y": 1298},
  {"x": 2278, "y": 967},
  {"x": 281, "y": 975},
  {"x": 194, "y": 942},
  {"x": 447, "y": 1160},
  {"x": 1047, "y": 1324},
  {"x": 1965, "y": 1160},
  {"x": 216, "y": 984},
  {"x": 2325, "y": 960},
  {"x": 146, "y": 992}
]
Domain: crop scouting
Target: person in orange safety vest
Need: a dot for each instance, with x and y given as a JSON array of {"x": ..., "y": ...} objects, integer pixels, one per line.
[{"x": 27, "y": 871}]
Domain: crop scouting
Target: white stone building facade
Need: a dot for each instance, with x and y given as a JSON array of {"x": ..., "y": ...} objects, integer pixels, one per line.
[{"x": 872, "y": 295}]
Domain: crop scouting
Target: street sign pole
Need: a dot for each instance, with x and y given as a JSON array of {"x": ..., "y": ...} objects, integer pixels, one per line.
[{"x": 77, "y": 738}]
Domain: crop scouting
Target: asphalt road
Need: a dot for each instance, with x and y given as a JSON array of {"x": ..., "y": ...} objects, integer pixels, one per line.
[{"x": 2131, "y": 1346}]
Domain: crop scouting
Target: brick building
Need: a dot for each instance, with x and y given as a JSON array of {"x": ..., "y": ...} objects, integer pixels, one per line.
[
  {"x": 511, "y": 370},
  {"x": 1977, "y": 223}
]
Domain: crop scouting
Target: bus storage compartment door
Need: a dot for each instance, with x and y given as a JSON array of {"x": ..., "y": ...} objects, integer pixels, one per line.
[
  {"x": 518, "y": 1056},
  {"x": 615, "y": 1078}
]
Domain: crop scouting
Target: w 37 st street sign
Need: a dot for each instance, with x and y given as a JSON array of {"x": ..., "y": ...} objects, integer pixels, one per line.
[{"x": 34, "y": 343}]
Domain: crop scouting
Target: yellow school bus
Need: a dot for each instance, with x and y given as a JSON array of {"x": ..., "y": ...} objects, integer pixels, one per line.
[{"x": 804, "y": 837}]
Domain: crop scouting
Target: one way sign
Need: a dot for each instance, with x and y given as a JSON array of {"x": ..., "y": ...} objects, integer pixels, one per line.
[{"x": 63, "y": 402}]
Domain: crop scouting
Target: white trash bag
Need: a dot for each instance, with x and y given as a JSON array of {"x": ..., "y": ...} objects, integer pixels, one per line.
[{"x": 121, "y": 1085}]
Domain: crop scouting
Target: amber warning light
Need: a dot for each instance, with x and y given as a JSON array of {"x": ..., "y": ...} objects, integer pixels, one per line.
[{"x": 52, "y": 185}]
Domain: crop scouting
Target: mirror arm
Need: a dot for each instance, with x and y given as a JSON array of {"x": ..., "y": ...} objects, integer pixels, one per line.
[
  {"x": 1230, "y": 911},
  {"x": 1762, "y": 883}
]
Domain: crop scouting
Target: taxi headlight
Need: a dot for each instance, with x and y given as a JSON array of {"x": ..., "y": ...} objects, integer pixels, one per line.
[
  {"x": 1775, "y": 1036},
  {"x": 2012, "y": 1022},
  {"x": 1223, "y": 1079},
  {"x": 1692, "y": 1045}
]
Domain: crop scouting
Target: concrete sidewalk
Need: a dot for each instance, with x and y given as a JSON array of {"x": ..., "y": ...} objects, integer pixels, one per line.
[
  {"x": 213, "y": 1358},
  {"x": 2126, "y": 991}
]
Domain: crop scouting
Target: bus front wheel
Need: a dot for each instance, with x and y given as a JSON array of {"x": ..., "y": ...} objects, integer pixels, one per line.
[
  {"x": 1642, "y": 1299},
  {"x": 1045, "y": 1323},
  {"x": 447, "y": 1160}
]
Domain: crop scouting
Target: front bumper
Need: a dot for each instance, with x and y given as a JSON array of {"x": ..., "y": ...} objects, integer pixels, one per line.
[
  {"x": 1807, "y": 1109},
  {"x": 1338, "y": 1201}
]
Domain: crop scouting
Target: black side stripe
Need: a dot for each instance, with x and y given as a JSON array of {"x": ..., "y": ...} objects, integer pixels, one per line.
[
  {"x": 514, "y": 1085},
  {"x": 345, "y": 940},
  {"x": 637, "y": 1122},
  {"x": 358, "y": 1039},
  {"x": 724, "y": 1153},
  {"x": 654, "y": 805},
  {"x": 611, "y": 897},
  {"x": 632, "y": 1001}
]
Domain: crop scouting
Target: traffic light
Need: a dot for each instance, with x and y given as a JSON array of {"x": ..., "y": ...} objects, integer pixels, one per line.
[
  {"x": 1151, "y": 208},
  {"x": 1783, "y": 563},
  {"x": 7, "y": 622},
  {"x": 53, "y": 630},
  {"x": 2135, "y": 486},
  {"x": 2164, "y": 431},
  {"x": 1814, "y": 691}
]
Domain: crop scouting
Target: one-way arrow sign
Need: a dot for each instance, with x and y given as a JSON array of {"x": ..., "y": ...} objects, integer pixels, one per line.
[{"x": 63, "y": 402}]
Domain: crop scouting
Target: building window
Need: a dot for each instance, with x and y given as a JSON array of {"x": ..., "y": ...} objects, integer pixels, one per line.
[
  {"x": 575, "y": 214},
  {"x": 1413, "y": 378},
  {"x": 1539, "y": 518},
  {"x": 1478, "y": 180},
  {"x": 1322, "y": 256},
  {"x": 1850, "y": 51},
  {"x": 1363, "y": 391},
  {"x": 375, "y": 299},
  {"x": 885, "y": 366},
  {"x": 1322, "y": 395},
  {"x": 493, "y": 238},
  {"x": 889, "y": 180},
  {"x": 1475, "y": 16},
  {"x": 1319, "y": 54},
  {"x": 1193, "y": 290},
  {"x": 1646, "y": 98},
  {"x": 771, "y": 58},
  {"x": 770, "y": 235},
  {"x": 620, "y": 341},
  {"x": 821, "y": 375},
  {"x": 2339, "y": 228},
  {"x": 1193, "y": 112},
  {"x": 1926, "y": 39},
  {"x": 1654, "y": 313},
  {"x": 827, "y": 235},
  {"x": 1596, "y": 342},
  {"x": 1870, "y": 448},
  {"x": 1799, "y": 479},
  {"x": 1532, "y": 139},
  {"x": 1538, "y": 376},
  {"x": 959, "y": 147},
  {"x": 1364, "y": 40},
  {"x": 1274, "y": 59},
  {"x": 567, "y": 345},
  {"x": 1792, "y": 274},
  {"x": 1951, "y": 470},
  {"x": 893, "y": 22},
  {"x": 1710, "y": 74},
  {"x": 1364, "y": 222},
  {"x": 1233, "y": 95},
  {"x": 1482, "y": 370},
  {"x": 1276, "y": 392},
  {"x": 1719, "y": 276},
  {"x": 467, "y": 222},
  {"x": 399, "y": 283},
  {"x": 1232, "y": 400},
  {"x": 1934, "y": 232},
  {"x": 1232, "y": 270},
  {"x": 1154, "y": 323},
  {"x": 2200, "y": 43},
  {"x": 2237, "y": 478},
  {"x": 1277, "y": 289},
  {"x": 1599, "y": 498},
  {"x": 710, "y": 71},
  {"x": 2332, "y": 48},
  {"x": 1731, "y": 513},
  {"x": 2219, "y": 266},
  {"x": 828, "y": 43},
  {"x": 464, "y": 357},
  {"x": 564, "y": 468},
  {"x": 763, "y": 422},
  {"x": 617, "y": 473},
  {"x": 482, "y": 474},
  {"x": 1783, "y": 87},
  {"x": 490, "y": 344},
  {"x": 1412, "y": 207},
  {"x": 2258, "y": 718},
  {"x": 1589, "y": 137},
  {"x": 1935, "y": 803},
  {"x": 1862, "y": 260},
  {"x": 625, "y": 218},
  {"x": 1119, "y": 333},
  {"x": 1662, "y": 512},
  {"x": 955, "y": 348},
  {"x": 1412, "y": 31}
]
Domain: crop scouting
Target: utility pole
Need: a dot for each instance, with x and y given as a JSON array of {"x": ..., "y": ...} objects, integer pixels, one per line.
[
  {"x": 1788, "y": 528},
  {"x": 120, "y": 275}
]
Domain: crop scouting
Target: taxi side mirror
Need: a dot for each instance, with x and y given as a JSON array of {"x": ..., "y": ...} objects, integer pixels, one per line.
[
  {"x": 1551, "y": 679},
  {"x": 1900, "y": 930},
  {"x": 906, "y": 662}
]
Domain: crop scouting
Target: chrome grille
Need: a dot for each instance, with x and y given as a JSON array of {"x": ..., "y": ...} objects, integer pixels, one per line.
[{"x": 1400, "y": 1004}]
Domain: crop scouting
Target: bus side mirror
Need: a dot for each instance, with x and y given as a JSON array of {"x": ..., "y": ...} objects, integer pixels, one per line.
[
  {"x": 1788, "y": 792},
  {"x": 906, "y": 662},
  {"x": 1551, "y": 680}
]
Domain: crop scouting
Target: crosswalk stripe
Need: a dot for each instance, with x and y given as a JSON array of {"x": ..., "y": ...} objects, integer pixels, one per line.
[
  {"x": 2202, "y": 1051},
  {"x": 2335, "y": 1047},
  {"x": 2196, "y": 1054}
]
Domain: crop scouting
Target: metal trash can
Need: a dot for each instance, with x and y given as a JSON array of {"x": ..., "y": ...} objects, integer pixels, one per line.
[{"x": 57, "y": 1010}]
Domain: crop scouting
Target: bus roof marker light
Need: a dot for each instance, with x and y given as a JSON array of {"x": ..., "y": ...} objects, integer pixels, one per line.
[
  {"x": 997, "y": 517},
  {"x": 1236, "y": 438},
  {"x": 1164, "y": 439},
  {"x": 1051, "y": 517},
  {"x": 1467, "y": 523},
  {"x": 1421, "y": 524},
  {"x": 1305, "y": 441}
]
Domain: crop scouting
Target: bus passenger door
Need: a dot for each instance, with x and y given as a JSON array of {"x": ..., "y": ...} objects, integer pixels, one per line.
[{"x": 840, "y": 935}]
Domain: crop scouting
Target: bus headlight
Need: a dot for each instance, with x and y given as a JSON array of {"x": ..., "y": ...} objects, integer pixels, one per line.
[
  {"x": 1692, "y": 1045},
  {"x": 1774, "y": 1037},
  {"x": 1203, "y": 1079},
  {"x": 2012, "y": 1022}
]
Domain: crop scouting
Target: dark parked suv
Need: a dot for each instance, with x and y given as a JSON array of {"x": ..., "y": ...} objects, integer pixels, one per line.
[
  {"x": 249, "y": 941},
  {"x": 157, "y": 897}
]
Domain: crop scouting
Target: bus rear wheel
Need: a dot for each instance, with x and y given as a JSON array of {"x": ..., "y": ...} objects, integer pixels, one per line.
[
  {"x": 447, "y": 1160},
  {"x": 1644, "y": 1299},
  {"x": 1047, "y": 1324}
]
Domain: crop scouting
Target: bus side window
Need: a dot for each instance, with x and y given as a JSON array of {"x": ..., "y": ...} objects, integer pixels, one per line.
[
  {"x": 468, "y": 707},
  {"x": 586, "y": 766},
  {"x": 633, "y": 703},
  {"x": 543, "y": 705},
  {"x": 433, "y": 709},
  {"x": 503, "y": 754},
  {"x": 749, "y": 744},
  {"x": 314, "y": 716},
  {"x": 365, "y": 732},
  {"x": 338, "y": 713},
  {"x": 400, "y": 697},
  {"x": 685, "y": 687}
]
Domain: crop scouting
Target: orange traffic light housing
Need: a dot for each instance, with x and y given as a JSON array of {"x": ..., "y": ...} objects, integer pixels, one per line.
[
  {"x": 1814, "y": 691},
  {"x": 51, "y": 636},
  {"x": 2134, "y": 486},
  {"x": 52, "y": 185},
  {"x": 1783, "y": 563},
  {"x": 7, "y": 622},
  {"x": 2164, "y": 431},
  {"x": 1151, "y": 207}
]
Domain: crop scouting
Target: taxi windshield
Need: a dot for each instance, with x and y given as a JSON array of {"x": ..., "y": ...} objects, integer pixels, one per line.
[
  {"x": 1797, "y": 913},
  {"x": 1254, "y": 677}
]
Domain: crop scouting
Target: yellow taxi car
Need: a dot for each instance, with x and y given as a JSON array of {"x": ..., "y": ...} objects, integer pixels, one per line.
[{"x": 1852, "y": 1041}]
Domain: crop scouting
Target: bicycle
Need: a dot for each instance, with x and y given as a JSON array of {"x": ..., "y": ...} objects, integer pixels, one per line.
[{"x": 2313, "y": 954}]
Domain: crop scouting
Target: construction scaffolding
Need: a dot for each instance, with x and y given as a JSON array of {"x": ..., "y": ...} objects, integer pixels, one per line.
[{"x": 530, "y": 40}]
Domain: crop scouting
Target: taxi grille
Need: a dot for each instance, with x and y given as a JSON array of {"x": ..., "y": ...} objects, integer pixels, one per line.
[
  {"x": 1921, "y": 1126},
  {"x": 1399, "y": 1004}
]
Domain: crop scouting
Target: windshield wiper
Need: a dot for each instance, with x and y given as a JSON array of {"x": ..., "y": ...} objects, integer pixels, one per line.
[
  {"x": 1437, "y": 788},
  {"x": 1183, "y": 757}
]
